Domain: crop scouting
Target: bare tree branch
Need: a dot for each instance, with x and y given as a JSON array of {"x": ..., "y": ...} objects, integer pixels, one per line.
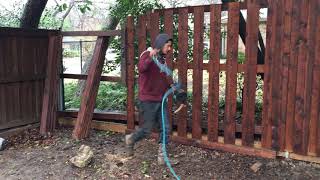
[
  {"x": 57, "y": 3},
  {"x": 10, "y": 12},
  {"x": 71, "y": 4}
]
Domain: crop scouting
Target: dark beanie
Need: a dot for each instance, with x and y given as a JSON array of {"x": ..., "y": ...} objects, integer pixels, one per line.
[{"x": 161, "y": 40}]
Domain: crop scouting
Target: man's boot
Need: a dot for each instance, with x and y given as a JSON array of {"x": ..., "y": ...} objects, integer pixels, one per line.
[
  {"x": 160, "y": 156},
  {"x": 129, "y": 144}
]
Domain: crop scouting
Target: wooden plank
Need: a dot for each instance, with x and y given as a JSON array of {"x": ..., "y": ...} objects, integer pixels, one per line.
[
  {"x": 224, "y": 7},
  {"x": 182, "y": 65},
  {"x": 213, "y": 91},
  {"x": 250, "y": 74},
  {"x": 98, "y": 116},
  {"x": 276, "y": 74},
  {"x": 16, "y": 59},
  {"x": 168, "y": 28},
  {"x": 27, "y": 45},
  {"x": 231, "y": 79},
  {"x": 56, "y": 83},
  {"x": 222, "y": 67},
  {"x": 142, "y": 40},
  {"x": 317, "y": 74},
  {"x": 301, "y": 123},
  {"x": 41, "y": 53},
  {"x": 265, "y": 153},
  {"x": 141, "y": 32},
  {"x": 10, "y": 89},
  {"x": 4, "y": 73},
  {"x": 92, "y": 33},
  {"x": 45, "y": 115},
  {"x": 314, "y": 135},
  {"x": 148, "y": 22},
  {"x": 85, "y": 76},
  {"x": 154, "y": 27},
  {"x": 203, "y": 143},
  {"x": 304, "y": 158},
  {"x": 48, "y": 115},
  {"x": 256, "y": 151},
  {"x": 123, "y": 64},
  {"x": 130, "y": 73},
  {"x": 28, "y": 60},
  {"x": 2, "y": 103},
  {"x": 312, "y": 105},
  {"x": 266, "y": 138},
  {"x": 241, "y": 68},
  {"x": 2, "y": 87},
  {"x": 122, "y": 116},
  {"x": 294, "y": 38},
  {"x": 286, "y": 47},
  {"x": 42, "y": 70},
  {"x": 18, "y": 130},
  {"x": 27, "y": 69},
  {"x": 90, "y": 92},
  {"x": 19, "y": 32},
  {"x": 104, "y": 126},
  {"x": 197, "y": 74}
]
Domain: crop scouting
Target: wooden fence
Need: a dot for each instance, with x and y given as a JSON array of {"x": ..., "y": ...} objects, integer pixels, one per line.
[
  {"x": 23, "y": 63},
  {"x": 291, "y": 69},
  {"x": 290, "y": 117},
  {"x": 93, "y": 78}
]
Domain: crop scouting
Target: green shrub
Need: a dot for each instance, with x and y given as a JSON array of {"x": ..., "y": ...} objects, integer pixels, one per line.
[
  {"x": 70, "y": 99},
  {"x": 71, "y": 53},
  {"x": 111, "y": 96}
]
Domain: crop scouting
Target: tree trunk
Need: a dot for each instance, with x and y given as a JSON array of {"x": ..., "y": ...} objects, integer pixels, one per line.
[
  {"x": 111, "y": 24},
  {"x": 32, "y": 13}
]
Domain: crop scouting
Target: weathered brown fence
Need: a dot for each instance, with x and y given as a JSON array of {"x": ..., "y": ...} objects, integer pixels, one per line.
[
  {"x": 290, "y": 120},
  {"x": 23, "y": 64}
]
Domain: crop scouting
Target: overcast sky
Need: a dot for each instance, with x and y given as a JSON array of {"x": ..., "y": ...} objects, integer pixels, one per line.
[{"x": 8, "y": 4}]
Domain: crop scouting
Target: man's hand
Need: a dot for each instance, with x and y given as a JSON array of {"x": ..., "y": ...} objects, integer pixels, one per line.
[
  {"x": 154, "y": 52},
  {"x": 172, "y": 86}
]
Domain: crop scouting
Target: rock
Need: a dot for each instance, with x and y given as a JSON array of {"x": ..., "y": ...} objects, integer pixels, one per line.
[
  {"x": 68, "y": 146},
  {"x": 183, "y": 154},
  {"x": 2, "y": 143},
  {"x": 270, "y": 164},
  {"x": 256, "y": 166},
  {"x": 119, "y": 164},
  {"x": 83, "y": 158}
]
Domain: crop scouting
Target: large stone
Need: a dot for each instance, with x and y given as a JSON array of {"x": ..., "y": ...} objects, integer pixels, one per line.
[
  {"x": 256, "y": 166},
  {"x": 83, "y": 158},
  {"x": 2, "y": 144}
]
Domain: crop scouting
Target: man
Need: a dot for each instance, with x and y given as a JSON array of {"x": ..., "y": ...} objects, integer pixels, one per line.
[{"x": 152, "y": 86}]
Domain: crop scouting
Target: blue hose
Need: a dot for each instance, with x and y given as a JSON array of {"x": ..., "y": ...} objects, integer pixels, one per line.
[
  {"x": 177, "y": 85},
  {"x": 165, "y": 155}
]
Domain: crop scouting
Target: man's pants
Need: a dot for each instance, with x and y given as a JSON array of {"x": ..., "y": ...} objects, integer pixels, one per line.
[{"x": 151, "y": 114}]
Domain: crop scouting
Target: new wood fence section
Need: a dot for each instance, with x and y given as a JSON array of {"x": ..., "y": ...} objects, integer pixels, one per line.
[{"x": 290, "y": 117}]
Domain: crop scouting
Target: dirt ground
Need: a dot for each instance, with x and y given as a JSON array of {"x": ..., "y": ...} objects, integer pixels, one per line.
[{"x": 29, "y": 156}]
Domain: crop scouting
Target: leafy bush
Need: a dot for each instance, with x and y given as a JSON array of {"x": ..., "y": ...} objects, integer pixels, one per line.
[
  {"x": 70, "y": 99},
  {"x": 111, "y": 96},
  {"x": 70, "y": 53}
]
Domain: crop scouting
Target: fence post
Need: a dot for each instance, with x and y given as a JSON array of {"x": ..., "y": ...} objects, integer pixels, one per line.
[{"x": 130, "y": 72}]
